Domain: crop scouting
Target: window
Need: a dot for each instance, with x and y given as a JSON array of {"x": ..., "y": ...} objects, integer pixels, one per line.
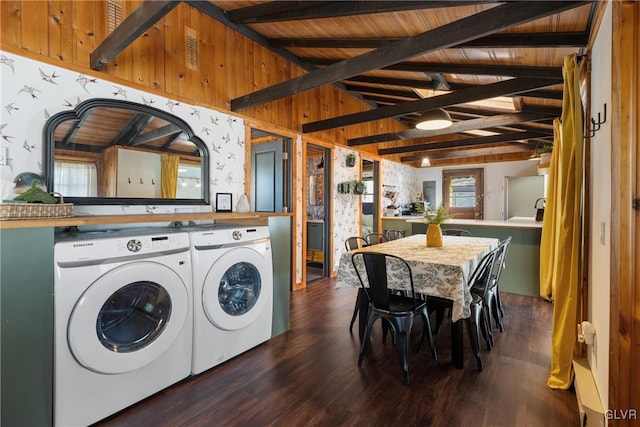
[
  {"x": 189, "y": 185},
  {"x": 463, "y": 192},
  {"x": 75, "y": 179},
  {"x": 367, "y": 197}
]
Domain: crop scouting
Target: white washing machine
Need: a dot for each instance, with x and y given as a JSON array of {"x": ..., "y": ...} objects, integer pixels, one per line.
[
  {"x": 232, "y": 290},
  {"x": 123, "y": 320}
]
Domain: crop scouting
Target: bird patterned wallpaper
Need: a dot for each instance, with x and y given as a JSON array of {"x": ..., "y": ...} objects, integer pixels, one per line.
[{"x": 33, "y": 91}]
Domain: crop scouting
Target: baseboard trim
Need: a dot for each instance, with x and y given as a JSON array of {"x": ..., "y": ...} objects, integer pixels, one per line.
[{"x": 589, "y": 403}]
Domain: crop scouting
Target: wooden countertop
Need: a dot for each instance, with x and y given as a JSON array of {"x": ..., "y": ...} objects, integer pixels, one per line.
[
  {"x": 134, "y": 218},
  {"x": 516, "y": 222}
]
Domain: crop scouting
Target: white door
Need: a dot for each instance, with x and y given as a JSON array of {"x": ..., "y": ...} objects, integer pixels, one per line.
[
  {"x": 237, "y": 289},
  {"x": 128, "y": 317}
]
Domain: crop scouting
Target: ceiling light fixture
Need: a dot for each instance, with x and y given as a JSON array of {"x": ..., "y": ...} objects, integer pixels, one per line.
[
  {"x": 425, "y": 162},
  {"x": 434, "y": 119}
]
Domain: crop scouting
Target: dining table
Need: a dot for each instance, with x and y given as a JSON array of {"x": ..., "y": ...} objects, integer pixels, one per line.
[{"x": 437, "y": 271}]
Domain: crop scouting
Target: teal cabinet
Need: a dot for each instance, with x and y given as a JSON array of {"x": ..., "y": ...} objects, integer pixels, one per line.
[
  {"x": 26, "y": 311},
  {"x": 280, "y": 232}
]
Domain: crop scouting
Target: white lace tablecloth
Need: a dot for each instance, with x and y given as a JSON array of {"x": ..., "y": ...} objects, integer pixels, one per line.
[{"x": 441, "y": 272}]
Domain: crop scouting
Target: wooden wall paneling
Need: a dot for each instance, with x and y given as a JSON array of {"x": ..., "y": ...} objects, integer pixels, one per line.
[
  {"x": 172, "y": 48},
  {"x": 123, "y": 63},
  {"x": 34, "y": 30},
  {"x": 624, "y": 343},
  {"x": 60, "y": 29},
  {"x": 194, "y": 29},
  {"x": 141, "y": 54},
  {"x": 219, "y": 96},
  {"x": 187, "y": 82},
  {"x": 207, "y": 58},
  {"x": 83, "y": 36},
  {"x": 10, "y": 20},
  {"x": 229, "y": 72}
]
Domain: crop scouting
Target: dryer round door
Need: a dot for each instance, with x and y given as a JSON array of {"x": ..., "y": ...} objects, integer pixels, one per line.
[
  {"x": 128, "y": 317},
  {"x": 237, "y": 289}
]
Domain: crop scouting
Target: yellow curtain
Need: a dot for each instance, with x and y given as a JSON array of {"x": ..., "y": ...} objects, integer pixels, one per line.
[
  {"x": 169, "y": 175},
  {"x": 560, "y": 247}
]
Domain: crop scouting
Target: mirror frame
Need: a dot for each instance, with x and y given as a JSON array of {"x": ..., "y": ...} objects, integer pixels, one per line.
[{"x": 84, "y": 108}]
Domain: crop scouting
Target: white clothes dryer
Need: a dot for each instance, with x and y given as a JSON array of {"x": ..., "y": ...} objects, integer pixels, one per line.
[
  {"x": 232, "y": 290},
  {"x": 123, "y": 320}
]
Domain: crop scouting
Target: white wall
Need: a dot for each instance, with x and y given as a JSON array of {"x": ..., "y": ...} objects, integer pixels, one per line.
[
  {"x": 600, "y": 245},
  {"x": 493, "y": 175}
]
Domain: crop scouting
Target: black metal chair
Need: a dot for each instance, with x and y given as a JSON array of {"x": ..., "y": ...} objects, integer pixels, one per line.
[
  {"x": 397, "y": 310},
  {"x": 375, "y": 238},
  {"x": 395, "y": 234},
  {"x": 355, "y": 242},
  {"x": 491, "y": 297},
  {"x": 481, "y": 278},
  {"x": 455, "y": 232},
  {"x": 352, "y": 243}
]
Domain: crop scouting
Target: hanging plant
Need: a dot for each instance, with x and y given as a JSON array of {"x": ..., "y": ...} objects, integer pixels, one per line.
[
  {"x": 350, "y": 160},
  {"x": 358, "y": 187}
]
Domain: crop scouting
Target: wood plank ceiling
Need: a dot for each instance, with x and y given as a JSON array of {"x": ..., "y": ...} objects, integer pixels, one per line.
[{"x": 496, "y": 67}]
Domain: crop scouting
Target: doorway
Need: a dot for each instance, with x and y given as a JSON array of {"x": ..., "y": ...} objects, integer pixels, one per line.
[
  {"x": 463, "y": 193},
  {"x": 270, "y": 176},
  {"x": 317, "y": 211},
  {"x": 370, "y": 198}
]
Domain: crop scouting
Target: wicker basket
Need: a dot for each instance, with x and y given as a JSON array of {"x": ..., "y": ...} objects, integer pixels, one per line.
[{"x": 10, "y": 211}]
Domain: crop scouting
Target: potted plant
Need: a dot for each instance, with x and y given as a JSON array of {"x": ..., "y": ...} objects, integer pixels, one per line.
[
  {"x": 434, "y": 232},
  {"x": 544, "y": 153},
  {"x": 358, "y": 187},
  {"x": 350, "y": 160}
]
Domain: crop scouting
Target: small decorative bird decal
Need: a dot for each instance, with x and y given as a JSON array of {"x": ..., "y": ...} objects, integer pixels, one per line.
[
  {"x": 226, "y": 138},
  {"x": 194, "y": 112},
  {"x": 8, "y": 62},
  {"x": 46, "y": 114},
  {"x": 147, "y": 103},
  {"x": 206, "y": 130},
  {"x": 219, "y": 166},
  {"x": 240, "y": 142},
  {"x": 11, "y": 107},
  {"x": 172, "y": 104},
  {"x": 83, "y": 80},
  {"x": 231, "y": 120},
  {"x": 70, "y": 104},
  {"x": 30, "y": 90},
  {"x": 120, "y": 92},
  {"x": 216, "y": 148},
  {"x": 214, "y": 120},
  {"x": 232, "y": 156},
  {"x": 229, "y": 178},
  {"x": 48, "y": 78},
  {"x": 28, "y": 147},
  {"x": 2, "y": 135},
  {"x": 149, "y": 209}
]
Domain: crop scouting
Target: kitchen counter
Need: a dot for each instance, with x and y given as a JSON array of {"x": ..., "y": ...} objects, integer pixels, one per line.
[{"x": 514, "y": 222}]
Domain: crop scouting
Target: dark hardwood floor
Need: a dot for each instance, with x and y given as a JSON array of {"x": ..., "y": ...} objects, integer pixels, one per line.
[{"x": 309, "y": 377}]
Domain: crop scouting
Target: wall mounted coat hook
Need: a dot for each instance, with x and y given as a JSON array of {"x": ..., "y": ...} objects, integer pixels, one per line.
[
  {"x": 153, "y": 182},
  {"x": 129, "y": 180},
  {"x": 141, "y": 181},
  {"x": 595, "y": 125}
]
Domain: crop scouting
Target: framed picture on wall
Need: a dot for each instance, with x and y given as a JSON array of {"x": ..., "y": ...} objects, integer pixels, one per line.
[{"x": 223, "y": 202}]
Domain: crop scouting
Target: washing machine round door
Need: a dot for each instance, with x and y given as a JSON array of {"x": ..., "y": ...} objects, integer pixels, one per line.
[
  {"x": 237, "y": 288},
  {"x": 128, "y": 317}
]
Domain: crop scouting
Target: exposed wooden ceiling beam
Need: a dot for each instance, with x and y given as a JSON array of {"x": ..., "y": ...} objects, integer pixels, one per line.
[
  {"x": 503, "y": 88},
  {"x": 382, "y": 91},
  {"x": 462, "y": 126},
  {"x": 469, "y": 69},
  {"x": 544, "y": 94},
  {"x": 297, "y": 10},
  {"x": 511, "y": 40},
  {"x": 473, "y": 152},
  {"x": 134, "y": 25},
  {"x": 466, "y": 142},
  {"x": 469, "y": 28}
]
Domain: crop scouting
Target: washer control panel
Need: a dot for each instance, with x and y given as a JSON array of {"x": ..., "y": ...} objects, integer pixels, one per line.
[{"x": 237, "y": 235}]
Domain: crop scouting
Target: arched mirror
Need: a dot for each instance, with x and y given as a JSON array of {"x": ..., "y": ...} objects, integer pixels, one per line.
[{"x": 107, "y": 152}]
